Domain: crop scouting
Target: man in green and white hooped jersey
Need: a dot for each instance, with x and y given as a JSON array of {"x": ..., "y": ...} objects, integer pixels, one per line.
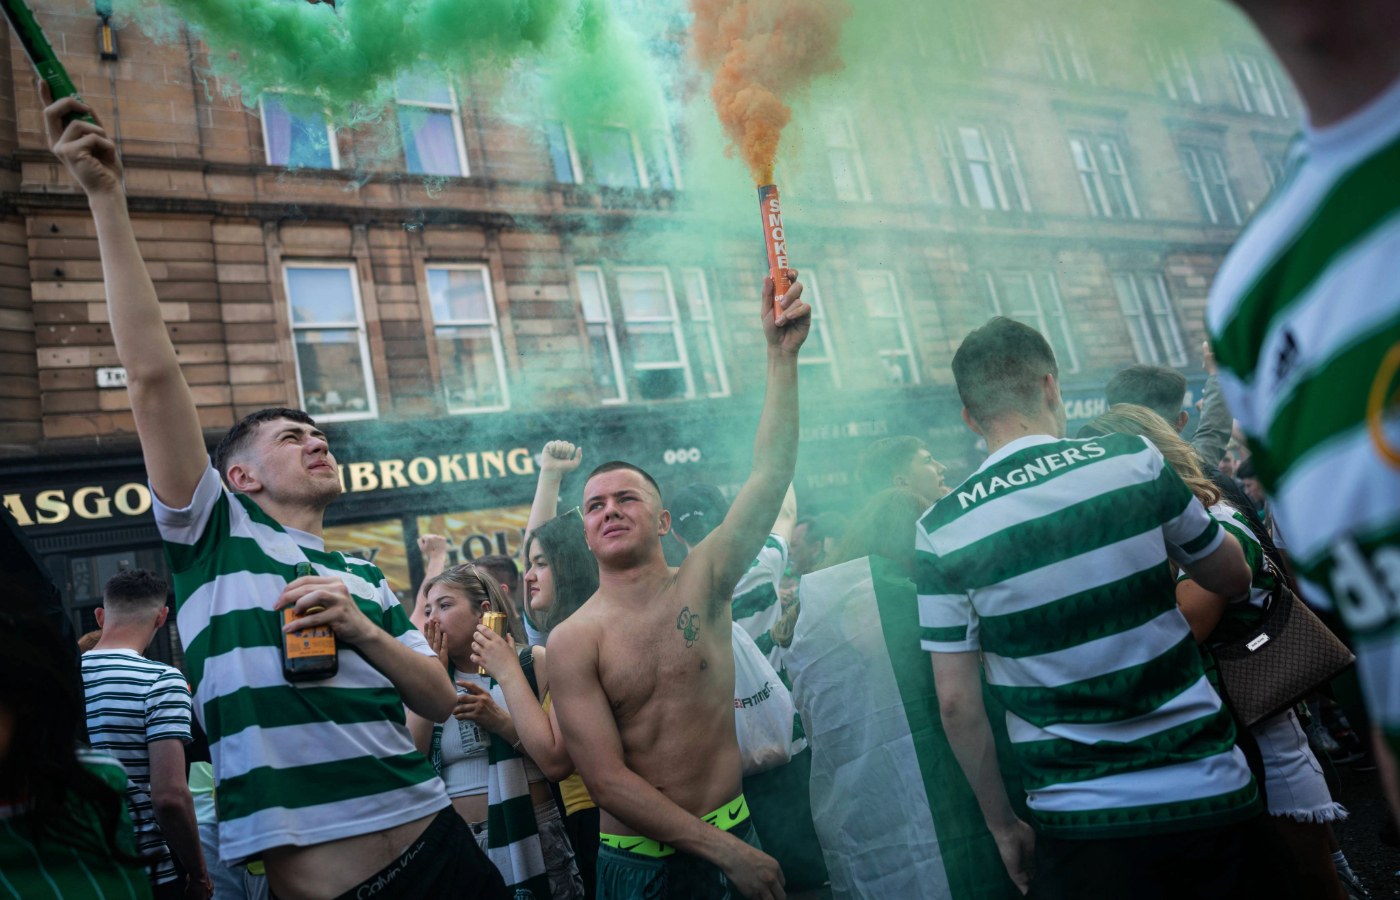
[
  {"x": 1051, "y": 566},
  {"x": 320, "y": 779},
  {"x": 1304, "y": 318}
]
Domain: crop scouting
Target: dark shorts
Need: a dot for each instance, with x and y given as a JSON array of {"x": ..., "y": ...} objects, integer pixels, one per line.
[
  {"x": 1223, "y": 863},
  {"x": 630, "y": 876},
  {"x": 444, "y": 862}
]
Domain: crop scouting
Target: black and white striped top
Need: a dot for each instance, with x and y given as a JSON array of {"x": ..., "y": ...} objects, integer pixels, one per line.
[{"x": 132, "y": 701}]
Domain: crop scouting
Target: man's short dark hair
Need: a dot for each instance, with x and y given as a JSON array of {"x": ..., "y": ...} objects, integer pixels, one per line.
[
  {"x": 883, "y": 460},
  {"x": 999, "y": 367},
  {"x": 134, "y": 588},
  {"x": 613, "y": 465},
  {"x": 244, "y": 429},
  {"x": 696, "y": 510},
  {"x": 1160, "y": 389},
  {"x": 503, "y": 568}
]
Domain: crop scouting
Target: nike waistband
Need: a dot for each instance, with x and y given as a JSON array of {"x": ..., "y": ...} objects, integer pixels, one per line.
[{"x": 726, "y": 818}]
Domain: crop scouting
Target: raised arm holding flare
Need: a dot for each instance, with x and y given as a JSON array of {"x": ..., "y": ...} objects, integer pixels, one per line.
[
  {"x": 357, "y": 815},
  {"x": 643, "y": 674}
]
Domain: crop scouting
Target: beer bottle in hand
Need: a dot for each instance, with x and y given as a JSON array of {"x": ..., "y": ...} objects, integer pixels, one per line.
[{"x": 309, "y": 654}]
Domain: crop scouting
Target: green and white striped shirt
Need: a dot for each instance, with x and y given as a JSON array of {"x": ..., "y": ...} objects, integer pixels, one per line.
[
  {"x": 295, "y": 764},
  {"x": 755, "y": 605},
  {"x": 1053, "y": 560},
  {"x": 1304, "y": 318}
]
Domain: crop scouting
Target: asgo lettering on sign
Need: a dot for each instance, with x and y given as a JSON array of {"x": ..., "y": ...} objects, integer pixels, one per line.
[{"x": 55, "y": 506}]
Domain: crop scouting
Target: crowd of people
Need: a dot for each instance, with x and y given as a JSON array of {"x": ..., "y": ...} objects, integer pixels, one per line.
[{"x": 958, "y": 688}]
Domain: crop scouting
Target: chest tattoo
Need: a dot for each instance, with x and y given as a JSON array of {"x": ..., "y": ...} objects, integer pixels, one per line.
[{"x": 688, "y": 624}]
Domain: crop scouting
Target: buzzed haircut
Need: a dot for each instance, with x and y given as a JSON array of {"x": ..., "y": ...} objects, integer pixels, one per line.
[
  {"x": 243, "y": 431},
  {"x": 883, "y": 460},
  {"x": 1158, "y": 388},
  {"x": 134, "y": 589},
  {"x": 613, "y": 465},
  {"x": 504, "y": 568},
  {"x": 999, "y": 367}
]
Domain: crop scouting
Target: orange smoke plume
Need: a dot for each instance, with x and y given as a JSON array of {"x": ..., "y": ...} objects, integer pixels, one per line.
[{"x": 762, "y": 52}]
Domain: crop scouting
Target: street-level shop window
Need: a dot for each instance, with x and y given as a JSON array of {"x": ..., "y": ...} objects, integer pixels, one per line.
[
  {"x": 1151, "y": 319},
  {"x": 817, "y": 361},
  {"x": 604, "y": 357},
  {"x": 984, "y": 167},
  {"x": 468, "y": 338},
  {"x": 613, "y": 156},
  {"x": 328, "y": 334},
  {"x": 887, "y": 327},
  {"x": 297, "y": 134},
  {"x": 1103, "y": 176},
  {"x": 1205, "y": 169},
  {"x": 702, "y": 336},
  {"x": 1033, "y": 298},
  {"x": 844, "y": 157},
  {"x": 430, "y": 126}
]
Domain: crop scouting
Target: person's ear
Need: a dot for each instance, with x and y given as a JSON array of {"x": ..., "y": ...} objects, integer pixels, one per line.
[
  {"x": 100, "y": 615},
  {"x": 1050, "y": 389},
  {"x": 971, "y": 423},
  {"x": 241, "y": 479},
  {"x": 901, "y": 481},
  {"x": 486, "y": 605},
  {"x": 161, "y": 617},
  {"x": 664, "y": 520},
  {"x": 1181, "y": 419}
]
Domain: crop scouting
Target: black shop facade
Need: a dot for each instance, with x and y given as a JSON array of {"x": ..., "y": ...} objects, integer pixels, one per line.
[{"x": 472, "y": 478}]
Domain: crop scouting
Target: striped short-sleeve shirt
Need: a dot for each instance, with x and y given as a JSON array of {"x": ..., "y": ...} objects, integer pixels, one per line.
[
  {"x": 1053, "y": 559},
  {"x": 1304, "y": 318},
  {"x": 755, "y": 605},
  {"x": 131, "y": 703},
  {"x": 295, "y": 764}
]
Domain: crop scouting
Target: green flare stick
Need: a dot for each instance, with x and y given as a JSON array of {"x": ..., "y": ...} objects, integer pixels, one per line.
[{"x": 40, "y": 52}]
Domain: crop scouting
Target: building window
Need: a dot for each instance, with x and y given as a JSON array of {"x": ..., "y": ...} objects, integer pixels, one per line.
[
  {"x": 887, "y": 327},
  {"x": 1033, "y": 298},
  {"x": 468, "y": 338},
  {"x": 328, "y": 333},
  {"x": 1151, "y": 320},
  {"x": 1063, "y": 54},
  {"x": 818, "y": 354},
  {"x": 1174, "y": 73},
  {"x": 702, "y": 337},
  {"x": 613, "y": 157},
  {"x": 1258, "y": 85},
  {"x": 655, "y": 344},
  {"x": 844, "y": 158},
  {"x": 1107, "y": 188},
  {"x": 430, "y": 124},
  {"x": 955, "y": 32},
  {"x": 297, "y": 135},
  {"x": 984, "y": 168},
  {"x": 603, "y": 355},
  {"x": 1205, "y": 169}
]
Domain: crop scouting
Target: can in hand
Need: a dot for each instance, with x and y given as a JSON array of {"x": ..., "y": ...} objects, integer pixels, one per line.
[{"x": 496, "y": 621}]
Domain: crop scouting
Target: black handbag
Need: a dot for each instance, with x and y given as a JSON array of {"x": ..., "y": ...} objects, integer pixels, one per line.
[{"x": 1284, "y": 658}]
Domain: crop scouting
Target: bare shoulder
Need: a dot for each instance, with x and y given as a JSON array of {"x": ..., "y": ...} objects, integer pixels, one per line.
[{"x": 576, "y": 636}]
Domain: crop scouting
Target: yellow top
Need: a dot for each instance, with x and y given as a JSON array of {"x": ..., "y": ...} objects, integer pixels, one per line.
[{"x": 572, "y": 789}]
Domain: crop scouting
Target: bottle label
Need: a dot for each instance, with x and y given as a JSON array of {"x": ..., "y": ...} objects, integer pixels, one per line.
[{"x": 308, "y": 642}]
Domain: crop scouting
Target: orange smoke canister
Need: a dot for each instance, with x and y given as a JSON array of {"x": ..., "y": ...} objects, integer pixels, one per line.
[{"x": 771, "y": 209}]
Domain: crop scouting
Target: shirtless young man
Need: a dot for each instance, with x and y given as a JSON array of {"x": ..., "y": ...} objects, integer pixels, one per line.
[
  {"x": 643, "y": 674},
  {"x": 369, "y": 815}
]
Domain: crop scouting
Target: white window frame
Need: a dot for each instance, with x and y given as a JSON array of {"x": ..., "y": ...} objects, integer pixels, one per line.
[
  {"x": 677, "y": 333},
  {"x": 1093, "y": 169},
  {"x": 702, "y": 313},
  {"x": 1205, "y": 169},
  {"x": 1004, "y": 167},
  {"x": 491, "y": 325},
  {"x": 609, "y": 330},
  {"x": 812, "y": 295},
  {"x": 906, "y": 348},
  {"x": 1258, "y": 86},
  {"x": 1175, "y": 74},
  {"x": 358, "y": 326},
  {"x": 639, "y": 159},
  {"x": 851, "y": 148},
  {"x": 1155, "y": 331},
  {"x": 1043, "y": 288},
  {"x": 1063, "y": 54},
  {"x": 454, "y": 109},
  {"x": 331, "y": 141}
]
